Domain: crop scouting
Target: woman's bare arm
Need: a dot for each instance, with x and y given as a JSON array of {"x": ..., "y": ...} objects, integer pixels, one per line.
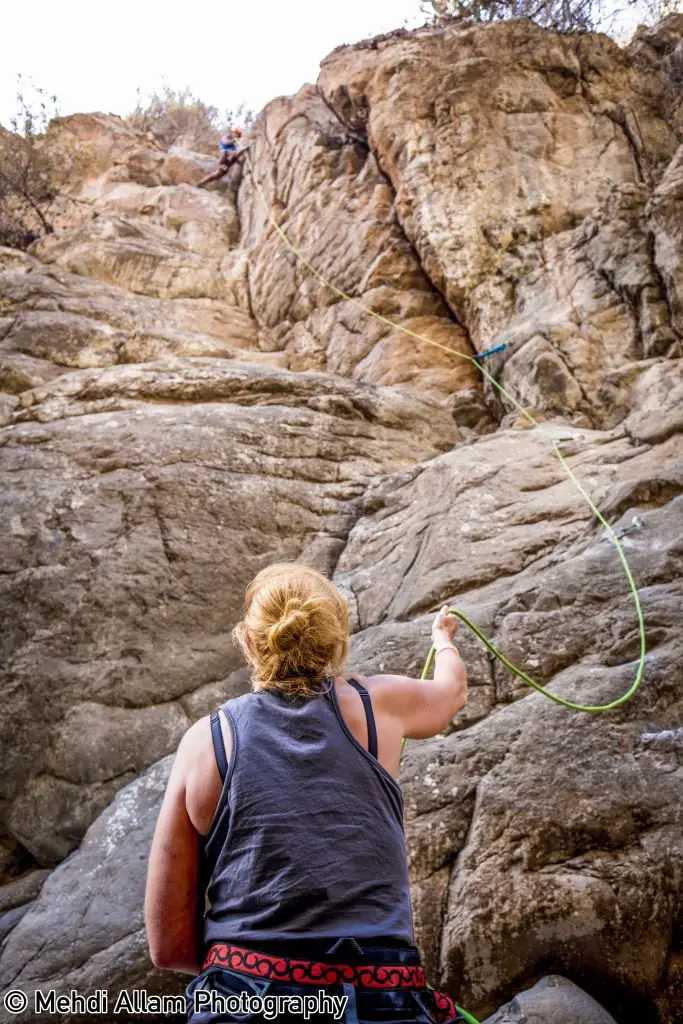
[
  {"x": 424, "y": 707},
  {"x": 172, "y": 895}
]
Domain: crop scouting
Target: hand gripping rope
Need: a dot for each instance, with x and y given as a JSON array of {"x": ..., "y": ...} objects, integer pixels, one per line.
[{"x": 476, "y": 361}]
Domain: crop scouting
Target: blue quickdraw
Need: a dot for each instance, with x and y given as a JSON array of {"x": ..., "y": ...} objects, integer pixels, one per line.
[{"x": 490, "y": 351}]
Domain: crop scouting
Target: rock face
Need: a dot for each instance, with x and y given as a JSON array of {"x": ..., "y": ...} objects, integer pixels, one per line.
[
  {"x": 144, "y": 494},
  {"x": 106, "y": 878},
  {"x": 553, "y": 1001},
  {"x": 183, "y": 402},
  {"x": 529, "y": 832},
  {"x": 544, "y": 171}
]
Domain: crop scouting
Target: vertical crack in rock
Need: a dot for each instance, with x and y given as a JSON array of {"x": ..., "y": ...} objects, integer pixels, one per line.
[
  {"x": 354, "y": 131},
  {"x": 663, "y": 289},
  {"x": 620, "y": 116},
  {"x": 363, "y": 138},
  {"x": 418, "y": 259}
]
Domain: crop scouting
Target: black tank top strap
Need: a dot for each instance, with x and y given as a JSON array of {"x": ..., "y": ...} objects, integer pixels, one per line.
[
  {"x": 219, "y": 746},
  {"x": 369, "y": 715}
]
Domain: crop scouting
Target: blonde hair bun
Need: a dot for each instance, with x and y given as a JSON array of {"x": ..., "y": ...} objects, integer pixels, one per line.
[
  {"x": 295, "y": 628},
  {"x": 285, "y": 634}
]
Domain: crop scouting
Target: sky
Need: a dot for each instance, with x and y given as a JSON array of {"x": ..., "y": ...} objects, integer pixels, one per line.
[{"x": 95, "y": 56}]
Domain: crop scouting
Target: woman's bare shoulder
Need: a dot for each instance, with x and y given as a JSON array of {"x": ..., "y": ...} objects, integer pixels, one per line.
[
  {"x": 387, "y": 689},
  {"x": 195, "y": 741},
  {"x": 386, "y": 682},
  {"x": 200, "y": 773}
]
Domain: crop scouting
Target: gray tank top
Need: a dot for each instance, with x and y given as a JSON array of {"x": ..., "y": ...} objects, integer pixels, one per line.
[{"x": 307, "y": 840}]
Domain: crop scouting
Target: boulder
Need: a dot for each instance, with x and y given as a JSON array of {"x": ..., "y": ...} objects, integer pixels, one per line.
[
  {"x": 554, "y": 1000},
  {"x": 85, "y": 930},
  {"x": 69, "y": 319},
  {"x": 141, "y": 257},
  {"x": 203, "y": 221}
]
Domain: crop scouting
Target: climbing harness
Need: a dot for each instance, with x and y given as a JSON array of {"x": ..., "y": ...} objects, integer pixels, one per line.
[
  {"x": 556, "y": 445},
  {"x": 319, "y": 973}
]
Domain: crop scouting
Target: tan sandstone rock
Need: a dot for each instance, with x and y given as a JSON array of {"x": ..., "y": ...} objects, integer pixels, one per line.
[
  {"x": 184, "y": 401},
  {"x": 149, "y": 491}
]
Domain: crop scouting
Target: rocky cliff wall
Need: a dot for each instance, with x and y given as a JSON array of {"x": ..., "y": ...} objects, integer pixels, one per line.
[{"x": 183, "y": 402}]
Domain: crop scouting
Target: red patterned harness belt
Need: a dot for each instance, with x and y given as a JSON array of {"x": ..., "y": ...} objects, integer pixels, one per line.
[{"x": 314, "y": 972}]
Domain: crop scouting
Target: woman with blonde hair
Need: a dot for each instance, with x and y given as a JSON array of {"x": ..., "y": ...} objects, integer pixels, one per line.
[{"x": 278, "y": 866}]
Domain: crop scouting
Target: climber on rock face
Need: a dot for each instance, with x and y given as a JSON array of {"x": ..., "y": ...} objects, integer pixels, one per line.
[
  {"x": 278, "y": 863},
  {"x": 230, "y": 153}
]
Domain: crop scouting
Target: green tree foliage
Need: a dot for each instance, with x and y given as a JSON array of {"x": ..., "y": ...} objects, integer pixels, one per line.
[{"x": 175, "y": 115}]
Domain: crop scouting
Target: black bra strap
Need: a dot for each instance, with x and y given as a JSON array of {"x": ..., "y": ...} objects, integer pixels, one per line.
[
  {"x": 219, "y": 746},
  {"x": 369, "y": 715}
]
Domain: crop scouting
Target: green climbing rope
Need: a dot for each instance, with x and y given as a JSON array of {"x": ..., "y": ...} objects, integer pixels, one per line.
[
  {"x": 468, "y": 1018},
  {"x": 556, "y": 449},
  {"x": 527, "y": 679}
]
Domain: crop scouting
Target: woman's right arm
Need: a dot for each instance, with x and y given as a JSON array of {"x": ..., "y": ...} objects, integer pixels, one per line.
[{"x": 424, "y": 707}]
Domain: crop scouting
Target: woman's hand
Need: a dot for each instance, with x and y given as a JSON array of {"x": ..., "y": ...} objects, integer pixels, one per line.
[
  {"x": 444, "y": 627},
  {"x": 425, "y": 707}
]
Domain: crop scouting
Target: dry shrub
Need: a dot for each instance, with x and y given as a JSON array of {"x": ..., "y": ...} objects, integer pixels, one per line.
[
  {"x": 176, "y": 115},
  {"x": 35, "y": 169},
  {"x": 562, "y": 15}
]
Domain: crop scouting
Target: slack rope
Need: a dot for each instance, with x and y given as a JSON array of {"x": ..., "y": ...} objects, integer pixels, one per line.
[{"x": 477, "y": 361}]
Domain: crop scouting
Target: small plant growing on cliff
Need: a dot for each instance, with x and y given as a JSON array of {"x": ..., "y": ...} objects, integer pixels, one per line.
[
  {"x": 34, "y": 169},
  {"x": 176, "y": 116}
]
